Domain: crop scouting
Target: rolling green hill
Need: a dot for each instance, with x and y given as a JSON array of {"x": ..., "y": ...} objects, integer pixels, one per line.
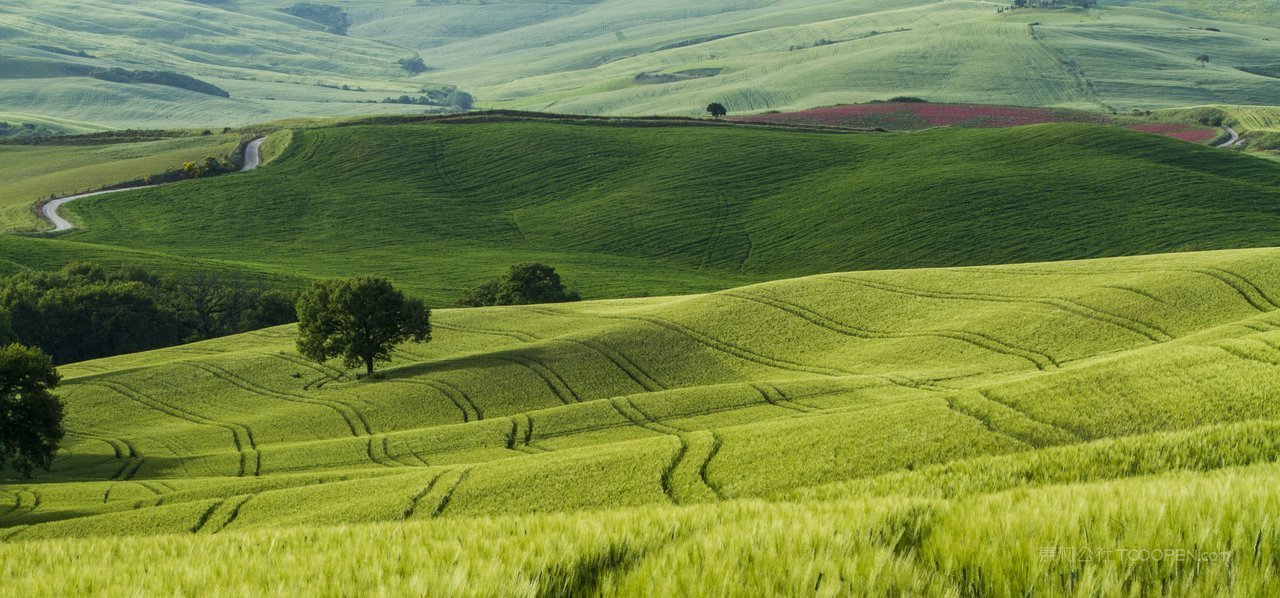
[
  {"x": 624, "y": 209},
  {"x": 893, "y": 431},
  {"x": 621, "y": 57}
]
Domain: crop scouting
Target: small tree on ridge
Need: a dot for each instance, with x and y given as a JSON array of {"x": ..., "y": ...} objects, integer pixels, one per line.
[
  {"x": 717, "y": 109},
  {"x": 360, "y": 320}
]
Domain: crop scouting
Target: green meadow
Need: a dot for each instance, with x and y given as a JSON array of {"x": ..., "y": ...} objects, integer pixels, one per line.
[{"x": 901, "y": 431}]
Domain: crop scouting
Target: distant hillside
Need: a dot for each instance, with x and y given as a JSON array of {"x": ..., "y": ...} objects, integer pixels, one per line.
[
  {"x": 284, "y": 58},
  {"x": 669, "y": 208}
]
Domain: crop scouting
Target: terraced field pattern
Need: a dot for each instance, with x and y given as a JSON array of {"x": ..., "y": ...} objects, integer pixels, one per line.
[{"x": 886, "y": 431}]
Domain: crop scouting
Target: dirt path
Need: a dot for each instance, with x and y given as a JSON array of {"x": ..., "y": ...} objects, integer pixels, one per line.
[
  {"x": 252, "y": 160},
  {"x": 1235, "y": 137}
]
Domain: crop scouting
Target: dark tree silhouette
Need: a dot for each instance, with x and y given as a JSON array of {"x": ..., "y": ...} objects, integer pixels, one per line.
[
  {"x": 717, "y": 109},
  {"x": 30, "y": 415}
]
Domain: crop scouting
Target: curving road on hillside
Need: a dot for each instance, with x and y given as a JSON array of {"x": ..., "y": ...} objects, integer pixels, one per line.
[
  {"x": 252, "y": 160},
  {"x": 1235, "y": 137}
]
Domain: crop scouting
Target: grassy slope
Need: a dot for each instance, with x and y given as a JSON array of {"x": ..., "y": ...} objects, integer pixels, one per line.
[
  {"x": 915, "y": 426},
  {"x": 626, "y": 210},
  {"x": 33, "y": 172},
  {"x": 584, "y": 56}
]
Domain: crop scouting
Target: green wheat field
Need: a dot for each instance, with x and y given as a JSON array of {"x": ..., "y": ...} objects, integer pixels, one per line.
[{"x": 813, "y": 358}]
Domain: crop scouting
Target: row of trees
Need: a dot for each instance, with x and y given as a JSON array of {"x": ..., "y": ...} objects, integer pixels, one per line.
[{"x": 85, "y": 312}]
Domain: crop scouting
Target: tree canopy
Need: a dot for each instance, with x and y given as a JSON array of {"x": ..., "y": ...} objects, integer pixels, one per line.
[
  {"x": 30, "y": 415},
  {"x": 717, "y": 109},
  {"x": 85, "y": 312},
  {"x": 523, "y": 284},
  {"x": 359, "y": 320}
]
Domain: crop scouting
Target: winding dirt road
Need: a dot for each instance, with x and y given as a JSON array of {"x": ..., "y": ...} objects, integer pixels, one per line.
[
  {"x": 252, "y": 159},
  {"x": 1235, "y": 137}
]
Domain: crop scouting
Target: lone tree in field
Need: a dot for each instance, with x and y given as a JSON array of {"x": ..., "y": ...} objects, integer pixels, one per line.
[
  {"x": 1203, "y": 59},
  {"x": 717, "y": 109},
  {"x": 360, "y": 320},
  {"x": 30, "y": 416},
  {"x": 524, "y": 284}
]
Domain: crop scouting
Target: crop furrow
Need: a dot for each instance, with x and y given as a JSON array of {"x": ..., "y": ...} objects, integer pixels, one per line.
[
  {"x": 563, "y": 394},
  {"x": 327, "y": 376},
  {"x": 133, "y": 471},
  {"x": 523, "y": 337},
  {"x": 462, "y": 407},
  {"x": 982, "y": 419},
  {"x": 1077, "y": 434},
  {"x": 1252, "y": 293},
  {"x": 352, "y": 417},
  {"x": 621, "y": 405},
  {"x": 1040, "y": 360},
  {"x": 232, "y": 508},
  {"x": 628, "y": 367},
  {"x": 448, "y": 495},
  {"x": 706, "y": 463},
  {"x": 240, "y": 434},
  {"x": 119, "y": 447},
  {"x": 1147, "y": 330},
  {"x": 204, "y": 517},
  {"x": 669, "y": 471},
  {"x": 373, "y": 455},
  {"x": 767, "y": 391},
  {"x": 413, "y": 502},
  {"x": 1237, "y": 353}
]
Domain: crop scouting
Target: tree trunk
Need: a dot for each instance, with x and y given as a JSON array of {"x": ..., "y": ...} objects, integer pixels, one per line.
[{"x": 368, "y": 365}]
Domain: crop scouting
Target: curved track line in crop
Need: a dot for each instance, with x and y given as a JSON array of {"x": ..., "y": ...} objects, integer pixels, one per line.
[
  {"x": 558, "y": 386},
  {"x": 517, "y": 335},
  {"x": 241, "y": 435},
  {"x": 745, "y": 354},
  {"x": 233, "y": 512},
  {"x": 1149, "y": 331},
  {"x": 628, "y": 367},
  {"x": 413, "y": 502},
  {"x": 773, "y": 396},
  {"x": 448, "y": 494},
  {"x": 329, "y": 374},
  {"x": 669, "y": 471},
  {"x": 1040, "y": 360},
  {"x": 353, "y": 418},
  {"x": 252, "y": 159},
  {"x": 123, "y": 449}
]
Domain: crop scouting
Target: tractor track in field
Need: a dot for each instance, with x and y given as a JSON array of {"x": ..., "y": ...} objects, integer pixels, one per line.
[
  {"x": 517, "y": 335},
  {"x": 554, "y": 381},
  {"x": 329, "y": 374},
  {"x": 773, "y": 396},
  {"x": 629, "y": 367},
  {"x": 122, "y": 448},
  {"x": 1149, "y": 331},
  {"x": 352, "y": 417},
  {"x": 49, "y": 210},
  {"x": 1042, "y": 361},
  {"x": 241, "y": 435},
  {"x": 465, "y": 404},
  {"x": 746, "y": 354}
]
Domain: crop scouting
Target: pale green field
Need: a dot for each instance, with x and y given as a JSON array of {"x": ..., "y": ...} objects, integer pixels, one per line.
[
  {"x": 34, "y": 172},
  {"x": 874, "y": 432},
  {"x": 584, "y": 57}
]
